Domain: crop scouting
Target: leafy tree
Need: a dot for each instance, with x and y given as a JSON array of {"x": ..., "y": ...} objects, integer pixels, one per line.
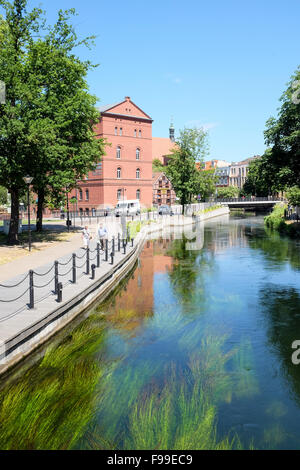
[
  {"x": 279, "y": 167},
  {"x": 228, "y": 192},
  {"x": 3, "y": 196},
  {"x": 293, "y": 196},
  {"x": 191, "y": 147},
  {"x": 157, "y": 165},
  {"x": 206, "y": 183},
  {"x": 46, "y": 125}
]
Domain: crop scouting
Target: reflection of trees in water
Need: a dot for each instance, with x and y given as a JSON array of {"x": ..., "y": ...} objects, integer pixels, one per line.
[
  {"x": 281, "y": 307},
  {"x": 186, "y": 276},
  {"x": 274, "y": 246}
]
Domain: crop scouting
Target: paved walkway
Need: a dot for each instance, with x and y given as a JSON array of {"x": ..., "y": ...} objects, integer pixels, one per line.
[{"x": 12, "y": 270}]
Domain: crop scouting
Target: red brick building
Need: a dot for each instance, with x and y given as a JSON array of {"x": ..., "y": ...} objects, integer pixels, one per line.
[{"x": 126, "y": 169}]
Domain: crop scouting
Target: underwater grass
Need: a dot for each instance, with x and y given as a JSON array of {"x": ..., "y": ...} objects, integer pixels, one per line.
[{"x": 51, "y": 405}]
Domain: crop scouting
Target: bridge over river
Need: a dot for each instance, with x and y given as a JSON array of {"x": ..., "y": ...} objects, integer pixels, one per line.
[{"x": 251, "y": 203}]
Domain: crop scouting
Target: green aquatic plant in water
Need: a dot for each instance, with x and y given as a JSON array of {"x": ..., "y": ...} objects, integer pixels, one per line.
[
  {"x": 180, "y": 415},
  {"x": 245, "y": 381},
  {"x": 50, "y": 406}
]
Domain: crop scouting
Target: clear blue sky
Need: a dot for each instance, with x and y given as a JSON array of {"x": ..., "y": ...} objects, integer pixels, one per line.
[{"x": 219, "y": 64}]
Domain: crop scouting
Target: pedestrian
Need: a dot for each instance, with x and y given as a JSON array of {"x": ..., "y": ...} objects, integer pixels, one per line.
[
  {"x": 102, "y": 235},
  {"x": 86, "y": 237}
]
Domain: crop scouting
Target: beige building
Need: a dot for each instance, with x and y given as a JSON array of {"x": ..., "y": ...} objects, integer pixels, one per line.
[{"x": 239, "y": 171}]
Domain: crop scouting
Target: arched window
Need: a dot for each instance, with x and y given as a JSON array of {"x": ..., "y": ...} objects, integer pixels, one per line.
[
  {"x": 80, "y": 194},
  {"x": 116, "y": 131},
  {"x": 138, "y": 194},
  {"x": 119, "y": 173},
  {"x": 134, "y": 132},
  {"x": 137, "y": 154},
  {"x": 121, "y": 131},
  {"x": 119, "y": 194},
  {"x": 118, "y": 152},
  {"x": 140, "y": 133},
  {"x": 138, "y": 173},
  {"x": 86, "y": 194}
]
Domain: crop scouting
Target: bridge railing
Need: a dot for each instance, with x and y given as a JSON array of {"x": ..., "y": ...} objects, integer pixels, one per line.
[{"x": 251, "y": 199}]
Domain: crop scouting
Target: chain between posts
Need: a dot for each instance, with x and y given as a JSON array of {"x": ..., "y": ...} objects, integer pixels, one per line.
[{"x": 58, "y": 287}]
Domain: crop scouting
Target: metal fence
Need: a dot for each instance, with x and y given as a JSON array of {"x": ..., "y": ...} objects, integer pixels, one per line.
[{"x": 53, "y": 277}]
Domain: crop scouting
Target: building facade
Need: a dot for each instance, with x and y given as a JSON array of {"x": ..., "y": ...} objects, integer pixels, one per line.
[
  {"x": 125, "y": 172},
  {"x": 163, "y": 192},
  {"x": 239, "y": 172}
]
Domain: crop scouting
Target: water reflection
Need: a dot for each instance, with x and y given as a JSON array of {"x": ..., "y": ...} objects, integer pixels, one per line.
[{"x": 191, "y": 351}]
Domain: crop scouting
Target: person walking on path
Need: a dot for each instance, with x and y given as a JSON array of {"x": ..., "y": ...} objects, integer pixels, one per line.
[
  {"x": 86, "y": 237},
  {"x": 102, "y": 234}
]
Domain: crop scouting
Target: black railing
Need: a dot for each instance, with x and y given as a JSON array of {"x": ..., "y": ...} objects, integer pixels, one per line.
[{"x": 33, "y": 279}]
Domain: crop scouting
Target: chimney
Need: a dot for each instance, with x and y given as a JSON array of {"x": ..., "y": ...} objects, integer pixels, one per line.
[{"x": 127, "y": 98}]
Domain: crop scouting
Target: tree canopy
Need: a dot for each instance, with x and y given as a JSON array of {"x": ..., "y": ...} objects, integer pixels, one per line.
[
  {"x": 191, "y": 147},
  {"x": 279, "y": 167},
  {"x": 47, "y": 122}
]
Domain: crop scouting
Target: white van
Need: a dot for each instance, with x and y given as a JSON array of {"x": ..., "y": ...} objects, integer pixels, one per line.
[{"x": 131, "y": 207}]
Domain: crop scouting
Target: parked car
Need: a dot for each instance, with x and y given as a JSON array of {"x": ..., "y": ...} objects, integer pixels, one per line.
[
  {"x": 129, "y": 207},
  {"x": 165, "y": 210}
]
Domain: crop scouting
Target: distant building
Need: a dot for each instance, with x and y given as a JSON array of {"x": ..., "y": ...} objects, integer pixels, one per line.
[
  {"x": 223, "y": 176},
  {"x": 239, "y": 172},
  {"x": 163, "y": 192}
]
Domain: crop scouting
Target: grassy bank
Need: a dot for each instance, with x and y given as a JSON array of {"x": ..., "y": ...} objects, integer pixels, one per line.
[{"x": 276, "y": 221}]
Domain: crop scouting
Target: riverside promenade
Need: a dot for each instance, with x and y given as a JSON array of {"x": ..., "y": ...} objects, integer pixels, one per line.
[{"x": 23, "y": 329}]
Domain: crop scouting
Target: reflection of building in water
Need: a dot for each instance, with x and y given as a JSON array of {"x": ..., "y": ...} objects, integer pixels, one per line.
[
  {"x": 139, "y": 290},
  {"x": 223, "y": 236}
]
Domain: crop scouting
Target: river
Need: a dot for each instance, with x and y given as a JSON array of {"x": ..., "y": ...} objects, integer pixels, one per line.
[{"x": 191, "y": 351}]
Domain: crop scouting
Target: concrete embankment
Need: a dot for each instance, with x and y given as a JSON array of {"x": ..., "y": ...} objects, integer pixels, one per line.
[{"x": 22, "y": 333}]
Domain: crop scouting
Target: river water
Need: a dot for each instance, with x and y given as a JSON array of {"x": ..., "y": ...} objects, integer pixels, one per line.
[{"x": 193, "y": 350}]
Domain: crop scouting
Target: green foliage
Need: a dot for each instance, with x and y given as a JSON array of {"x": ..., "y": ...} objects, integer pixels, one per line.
[
  {"x": 191, "y": 147},
  {"x": 157, "y": 165},
  {"x": 47, "y": 123},
  {"x": 293, "y": 196},
  {"x": 276, "y": 219},
  {"x": 228, "y": 192},
  {"x": 3, "y": 195},
  {"x": 205, "y": 183},
  {"x": 279, "y": 167}
]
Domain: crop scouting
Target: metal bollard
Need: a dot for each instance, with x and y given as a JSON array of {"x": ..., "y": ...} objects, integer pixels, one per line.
[
  {"x": 74, "y": 268},
  {"x": 31, "y": 291},
  {"x": 98, "y": 255},
  {"x": 87, "y": 261},
  {"x": 132, "y": 242},
  {"x": 119, "y": 242},
  {"x": 55, "y": 276},
  {"x": 124, "y": 248},
  {"x": 112, "y": 258},
  {"x": 93, "y": 270},
  {"x": 59, "y": 292},
  {"x": 106, "y": 250}
]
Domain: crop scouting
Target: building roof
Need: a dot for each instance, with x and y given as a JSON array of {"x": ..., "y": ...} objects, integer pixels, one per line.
[
  {"x": 118, "y": 108},
  {"x": 161, "y": 146}
]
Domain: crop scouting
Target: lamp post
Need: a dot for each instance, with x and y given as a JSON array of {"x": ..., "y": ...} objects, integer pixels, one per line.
[
  {"x": 68, "y": 214},
  {"x": 123, "y": 216},
  {"x": 28, "y": 180}
]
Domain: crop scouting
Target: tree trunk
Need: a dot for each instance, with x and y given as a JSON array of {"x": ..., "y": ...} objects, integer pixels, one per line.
[
  {"x": 40, "y": 207},
  {"x": 13, "y": 238}
]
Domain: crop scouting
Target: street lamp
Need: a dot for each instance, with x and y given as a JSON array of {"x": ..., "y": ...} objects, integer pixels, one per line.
[{"x": 28, "y": 180}]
